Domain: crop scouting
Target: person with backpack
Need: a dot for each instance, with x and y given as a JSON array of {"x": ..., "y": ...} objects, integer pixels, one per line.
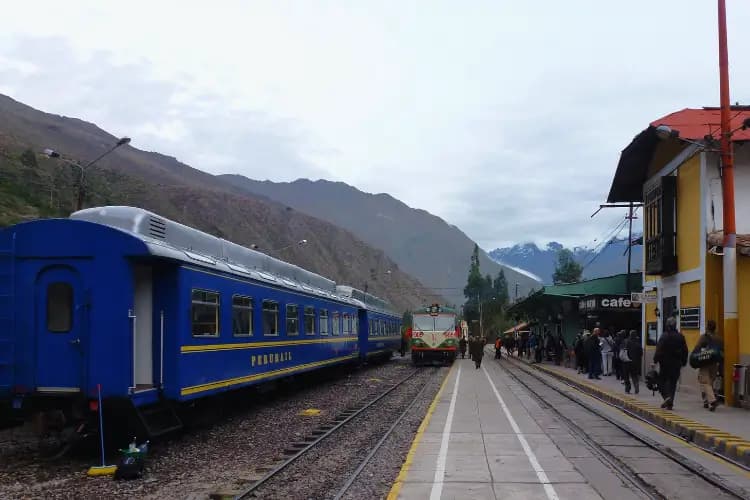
[
  {"x": 708, "y": 370},
  {"x": 671, "y": 355},
  {"x": 619, "y": 343},
  {"x": 630, "y": 355},
  {"x": 580, "y": 352}
]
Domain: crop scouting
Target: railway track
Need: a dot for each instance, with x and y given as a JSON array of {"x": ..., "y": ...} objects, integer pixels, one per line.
[
  {"x": 544, "y": 393},
  {"x": 323, "y": 434}
]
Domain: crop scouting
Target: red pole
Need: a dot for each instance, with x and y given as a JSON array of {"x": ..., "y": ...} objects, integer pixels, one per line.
[{"x": 731, "y": 333}]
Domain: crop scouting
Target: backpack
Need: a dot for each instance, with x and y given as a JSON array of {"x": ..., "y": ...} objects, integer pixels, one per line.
[
  {"x": 652, "y": 380},
  {"x": 623, "y": 355}
]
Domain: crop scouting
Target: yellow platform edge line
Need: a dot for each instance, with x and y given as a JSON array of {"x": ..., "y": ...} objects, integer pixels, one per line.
[{"x": 396, "y": 488}]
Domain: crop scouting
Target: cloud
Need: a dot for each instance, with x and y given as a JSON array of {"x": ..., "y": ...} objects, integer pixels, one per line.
[
  {"x": 205, "y": 130},
  {"x": 503, "y": 118}
]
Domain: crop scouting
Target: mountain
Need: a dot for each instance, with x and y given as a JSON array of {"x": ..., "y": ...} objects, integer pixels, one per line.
[
  {"x": 425, "y": 246},
  {"x": 32, "y": 186},
  {"x": 609, "y": 260}
]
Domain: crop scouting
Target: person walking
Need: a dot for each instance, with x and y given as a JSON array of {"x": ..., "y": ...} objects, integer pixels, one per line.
[
  {"x": 630, "y": 362},
  {"x": 578, "y": 348},
  {"x": 606, "y": 349},
  {"x": 707, "y": 374},
  {"x": 498, "y": 348},
  {"x": 462, "y": 347},
  {"x": 478, "y": 352},
  {"x": 671, "y": 355},
  {"x": 559, "y": 349},
  {"x": 594, "y": 355}
]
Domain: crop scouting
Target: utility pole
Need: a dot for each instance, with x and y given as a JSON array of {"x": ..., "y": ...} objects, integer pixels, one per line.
[
  {"x": 481, "y": 329},
  {"x": 630, "y": 242},
  {"x": 729, "y": 263}
]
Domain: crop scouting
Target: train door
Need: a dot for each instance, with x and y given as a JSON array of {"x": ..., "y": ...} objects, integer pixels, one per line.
[
  {"x": 143, "y": 344},
  {"x": 61, "y": 323}
]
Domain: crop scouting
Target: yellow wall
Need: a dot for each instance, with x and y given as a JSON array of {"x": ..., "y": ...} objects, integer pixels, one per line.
[
  {"x": 650, "y": 313},
  {"x": 689, "y": 216},
  {"x": 690, "y": 296},
  {"x": 743, "y": 304},
  {"x": 664, "y": 153}
]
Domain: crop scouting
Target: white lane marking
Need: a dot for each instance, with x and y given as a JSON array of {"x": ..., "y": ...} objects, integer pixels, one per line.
[
  {"x": 551, "y": 493},
  {"x": 437, "y": 483}
]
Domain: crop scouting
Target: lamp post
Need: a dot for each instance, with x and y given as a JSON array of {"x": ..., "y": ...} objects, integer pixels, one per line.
[
  {"x": 51, "y": 153},
  {"x": 729, "y": 261}
]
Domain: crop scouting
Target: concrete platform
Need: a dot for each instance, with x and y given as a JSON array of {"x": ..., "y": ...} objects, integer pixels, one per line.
[{"x": 486, "y": 438}]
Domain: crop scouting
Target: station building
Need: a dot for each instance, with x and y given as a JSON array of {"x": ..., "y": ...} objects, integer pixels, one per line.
[
  {"x": 673, "y": 168},
  {"x": 568, "y": 309}
]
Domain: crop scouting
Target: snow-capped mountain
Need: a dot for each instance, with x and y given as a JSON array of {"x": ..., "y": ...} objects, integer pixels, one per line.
[{"x": 606, "y": 261}]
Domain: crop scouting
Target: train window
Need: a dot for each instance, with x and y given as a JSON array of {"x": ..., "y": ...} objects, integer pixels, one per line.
[
  {"x": 292, "y": 319},
  {"x": 355, "y": 325},
  {"x": 270, "y": 317},
  {"x": 324, "y": 322},
  {"x": 336, "y": 324},
  {"x": 381, "y": 327},
  {"x": 59, "y": 307},
  {"x": 371, "y": 332},
  {"x": 242, "y": 316},
  {"x": 347, "y": 329},
  {"x": 309, "y": 320},
  {"x": 205, "y": 313}
]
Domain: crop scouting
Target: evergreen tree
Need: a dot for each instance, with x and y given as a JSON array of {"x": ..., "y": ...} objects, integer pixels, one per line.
[
  {"x": 500, "y": 289},
  {"x": 567, "y": 269}
]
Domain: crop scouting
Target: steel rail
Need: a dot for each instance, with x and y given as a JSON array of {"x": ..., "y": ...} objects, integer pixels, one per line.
[
  {"x": 379, "y": 444},
  {"x": 312, "y": 444},
  {"x": 681, "y": 460}
]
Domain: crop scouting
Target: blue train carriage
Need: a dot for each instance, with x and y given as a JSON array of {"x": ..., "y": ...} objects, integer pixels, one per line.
[
  {"x": 379, "y": 325},
  {"x": 158, "y": 313}
]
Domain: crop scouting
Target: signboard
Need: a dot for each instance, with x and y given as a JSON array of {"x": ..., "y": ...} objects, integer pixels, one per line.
[
  {"x": 434, "y": 309},
  {"x": 648, "y": 297},
  {"x": 607, "y": 303},
  {"x": 690, "y": 318}
]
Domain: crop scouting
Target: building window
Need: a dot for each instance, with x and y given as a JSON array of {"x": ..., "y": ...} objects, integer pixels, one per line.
[
  {"x": 242, "y": 316},
  {"x": 270, "y": 318},
  {"x": 59, "y": 307},
  {"x": 336, "y": 324},
  {"x": 292, "y": 319},
  {"x": 205, "y": 313},
  {"x": 659, "y": 227},
  {"x": 309, "y": 320},
  {"x": 324, "y": 322}
]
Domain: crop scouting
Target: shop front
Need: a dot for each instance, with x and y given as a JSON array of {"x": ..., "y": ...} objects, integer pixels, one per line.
[{"x": 614, "y": 312}]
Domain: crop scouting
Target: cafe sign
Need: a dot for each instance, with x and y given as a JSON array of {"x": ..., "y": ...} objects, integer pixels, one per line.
[{"x": 607, "y": 303}]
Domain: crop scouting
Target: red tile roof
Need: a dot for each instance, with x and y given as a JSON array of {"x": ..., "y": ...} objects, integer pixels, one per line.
[{"x": 695, "y": 124}]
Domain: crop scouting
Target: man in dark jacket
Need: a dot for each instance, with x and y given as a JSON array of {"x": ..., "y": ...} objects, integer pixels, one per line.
[
  {"x": 671, "y": 354},
  {"x": 579, "y": 348},
  {"x": 594, "y": 354},
  {"x": 631, "y": 370},
  {"x": 478, "y": 351}
]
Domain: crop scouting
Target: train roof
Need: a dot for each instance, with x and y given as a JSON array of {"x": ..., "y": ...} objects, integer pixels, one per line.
[
  {"x": 369, "y": 300},
  {"x": 170, "y": 239}
]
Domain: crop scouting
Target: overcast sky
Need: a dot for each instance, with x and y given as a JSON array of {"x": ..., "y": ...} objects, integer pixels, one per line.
[{"x": 505, "y": 118}]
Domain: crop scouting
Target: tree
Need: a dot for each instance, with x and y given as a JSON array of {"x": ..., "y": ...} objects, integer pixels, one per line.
[
  {"x": 500, "y": 288},
  {"x": 28, "y": 159},
  {"x": 567, "y": 269}
]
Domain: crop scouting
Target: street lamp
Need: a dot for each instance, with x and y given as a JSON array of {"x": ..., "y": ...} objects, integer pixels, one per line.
[{"x": 51, "y": 153}]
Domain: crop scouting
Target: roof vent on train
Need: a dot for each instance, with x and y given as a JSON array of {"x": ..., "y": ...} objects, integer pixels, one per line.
[{"x": 200, "y": 246}]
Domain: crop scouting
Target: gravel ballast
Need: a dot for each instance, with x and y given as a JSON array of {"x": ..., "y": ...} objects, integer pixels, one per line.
[{"x": 219, "y": 457}]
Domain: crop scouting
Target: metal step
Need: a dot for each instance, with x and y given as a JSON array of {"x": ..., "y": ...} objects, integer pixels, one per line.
[{"x": 159, "y": 419}]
